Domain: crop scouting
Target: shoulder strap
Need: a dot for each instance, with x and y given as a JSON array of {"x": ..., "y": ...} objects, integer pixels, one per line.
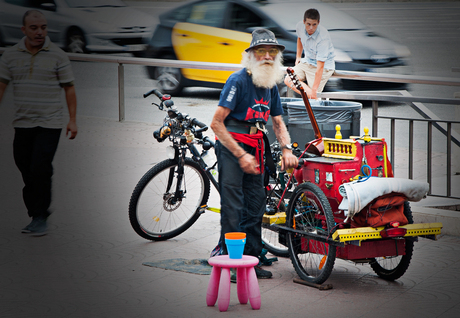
[{"x": 268, "y": 155}]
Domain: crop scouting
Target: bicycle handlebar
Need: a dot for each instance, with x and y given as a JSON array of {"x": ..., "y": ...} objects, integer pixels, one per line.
[
  {"x": 301, "y": 162},
  {"x": 150, "y": 93},
  {"x": 167, "y": 101},
  {"x": 198, "y": 123},
  {"x": 162, "y": 97}
]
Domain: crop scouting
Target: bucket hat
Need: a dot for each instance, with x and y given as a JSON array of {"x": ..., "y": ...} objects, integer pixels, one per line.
[{"x": 264, "y": 37}]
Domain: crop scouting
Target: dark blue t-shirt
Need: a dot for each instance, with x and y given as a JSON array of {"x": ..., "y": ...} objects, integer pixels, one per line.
[{"x": 248, "y": 102}]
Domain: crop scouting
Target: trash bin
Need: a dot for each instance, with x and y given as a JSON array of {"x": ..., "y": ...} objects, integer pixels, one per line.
[
  {"x": 328, "y": 114},
  {"x": 269, "y": 126}
]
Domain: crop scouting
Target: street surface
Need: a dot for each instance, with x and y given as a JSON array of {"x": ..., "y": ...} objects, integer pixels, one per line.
[{"x": 91, "y": 262}]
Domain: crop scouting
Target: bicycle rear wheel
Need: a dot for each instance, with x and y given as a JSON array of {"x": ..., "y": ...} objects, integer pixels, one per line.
[
  {"x": 393, "y": 267},
  {"x": 156, "y": 212}
]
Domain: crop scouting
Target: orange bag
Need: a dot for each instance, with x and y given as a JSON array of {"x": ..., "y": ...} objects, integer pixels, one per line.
[{"x": 383, "y": 210}]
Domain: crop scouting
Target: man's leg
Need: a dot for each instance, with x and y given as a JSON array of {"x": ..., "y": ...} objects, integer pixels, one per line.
[
  {"x": 22, "y": 152},
  {"x": 45, "y": 146},
  {"x": 300, "y": 71},
  {"x": 255, "y": 201},
  {"x": 231, "y": 192},
  {"x": 310, "y": 74},
  {"x": 34, "y": 150},
  {"x": 326, "y": 75}
]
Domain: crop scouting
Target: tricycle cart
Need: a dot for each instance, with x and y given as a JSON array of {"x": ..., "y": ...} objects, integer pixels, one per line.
[{"x": 348, "y": 205}]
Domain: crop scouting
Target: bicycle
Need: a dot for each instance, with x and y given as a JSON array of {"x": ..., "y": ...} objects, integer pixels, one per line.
[{"x": 171, "y": 196}]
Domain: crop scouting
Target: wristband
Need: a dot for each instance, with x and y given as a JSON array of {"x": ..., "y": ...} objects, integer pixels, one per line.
[{"x": 242, "y": 155}]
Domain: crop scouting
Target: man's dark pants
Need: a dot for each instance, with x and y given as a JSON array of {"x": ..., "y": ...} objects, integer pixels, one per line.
[
  {"x": 242, "y": 200},
  {"x": 34, "y": 150}
]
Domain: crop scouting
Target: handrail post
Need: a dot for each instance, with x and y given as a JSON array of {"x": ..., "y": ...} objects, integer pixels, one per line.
[
  {"x": 449, "y": 158},
  {"x": 428, "y": 155},
  {"x": 375, "y": 114},
  {"x": 121, "y": 92},
  {"x": 393, "y": 141},
  {"x": 411, "y": 149}
]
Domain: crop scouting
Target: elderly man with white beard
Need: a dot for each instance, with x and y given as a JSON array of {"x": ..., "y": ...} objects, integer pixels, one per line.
[{"x": 248, "y": 98}]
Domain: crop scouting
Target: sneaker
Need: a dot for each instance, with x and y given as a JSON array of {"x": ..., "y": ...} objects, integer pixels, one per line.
[
  {"x": 29, "y": 227},
  {"x": 262, "y": 273},
  {"x": 38, "y": 227}
]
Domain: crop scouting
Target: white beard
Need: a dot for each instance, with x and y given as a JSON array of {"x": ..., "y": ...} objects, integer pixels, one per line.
[{"x": 264, "y": 74}]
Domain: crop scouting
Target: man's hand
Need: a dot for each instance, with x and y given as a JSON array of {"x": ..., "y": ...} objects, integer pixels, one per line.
[
  {"x": 249, "y": 164},
  {"x": 313, "y": 95},
  {"x": 72, "y": 129},
  {"x": 289, "y": 160},
  {"x": 308, "y": 91}
]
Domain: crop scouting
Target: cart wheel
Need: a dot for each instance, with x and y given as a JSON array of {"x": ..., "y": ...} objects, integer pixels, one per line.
[
  {"x": 393, "y": 267},
  {"x": 310, "y": 211}
]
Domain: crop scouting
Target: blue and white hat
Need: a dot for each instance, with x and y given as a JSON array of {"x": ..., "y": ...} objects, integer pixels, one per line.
[{"x": 264, "y": 37}]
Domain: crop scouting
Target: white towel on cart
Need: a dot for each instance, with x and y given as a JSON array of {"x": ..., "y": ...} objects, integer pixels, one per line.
[{"x": 359, "y": 194}]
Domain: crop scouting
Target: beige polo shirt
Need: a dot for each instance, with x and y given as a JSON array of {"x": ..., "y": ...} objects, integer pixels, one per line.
[{"x": 37, "y": 83}]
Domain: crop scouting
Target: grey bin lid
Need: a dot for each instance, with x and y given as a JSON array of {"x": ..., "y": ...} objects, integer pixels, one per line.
[{"x": 326, "y": 105}]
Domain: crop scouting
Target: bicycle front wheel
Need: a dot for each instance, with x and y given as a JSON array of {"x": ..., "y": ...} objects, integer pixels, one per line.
[
  {"x": 157, "y": 211},
  {"x": 309, "y": 211}
]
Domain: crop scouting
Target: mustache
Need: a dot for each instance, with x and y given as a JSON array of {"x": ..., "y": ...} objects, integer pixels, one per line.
[{"x": 265, "y": 62}]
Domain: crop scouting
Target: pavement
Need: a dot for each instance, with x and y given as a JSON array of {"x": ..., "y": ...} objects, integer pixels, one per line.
[{"x": 91, "y": 262}]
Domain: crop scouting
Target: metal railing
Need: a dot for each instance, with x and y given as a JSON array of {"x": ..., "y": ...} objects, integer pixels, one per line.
[
  {"x": 452, "y": 137},
  {"x": 398, "y": 97},
  {"x": 429, "y": 150}
]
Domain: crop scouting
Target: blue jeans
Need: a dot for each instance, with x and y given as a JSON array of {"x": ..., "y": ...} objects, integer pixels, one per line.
[{"x": 242, "y": 199}]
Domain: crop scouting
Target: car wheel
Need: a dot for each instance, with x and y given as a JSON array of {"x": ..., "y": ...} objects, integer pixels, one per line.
[
  {"x": 169, "y": 79},
  {"x": 76, "y": 41}
]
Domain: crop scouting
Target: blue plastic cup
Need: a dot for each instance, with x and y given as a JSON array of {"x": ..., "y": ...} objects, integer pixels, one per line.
[{"x": 235, "y": 242}]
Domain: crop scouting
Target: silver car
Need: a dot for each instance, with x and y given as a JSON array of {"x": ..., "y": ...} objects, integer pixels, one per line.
[{"x": 81, "y": 25}]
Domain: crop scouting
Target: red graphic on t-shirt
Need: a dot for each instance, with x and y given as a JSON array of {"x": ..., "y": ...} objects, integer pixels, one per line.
[{"x": 259, "y": 110}]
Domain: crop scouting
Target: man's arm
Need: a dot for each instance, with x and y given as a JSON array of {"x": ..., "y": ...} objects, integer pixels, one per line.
[
  {"x": 247, "y": 162},
  {"x": 298, "y": 55},
  {"x": 318, "y": 76},
  {"x": 287, "y": 79},
  {"x": 281, "y": 133},
  {"x": 71, "y": 98}
]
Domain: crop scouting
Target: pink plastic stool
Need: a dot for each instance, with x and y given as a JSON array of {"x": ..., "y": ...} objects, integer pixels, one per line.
[{"x": 246, "y": 281}]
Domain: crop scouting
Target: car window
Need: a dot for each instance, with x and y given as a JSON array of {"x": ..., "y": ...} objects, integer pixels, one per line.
[
  {"x": 243, "y": 19},
  {"x": 209, "y": 13},
  {"x": 94, "y": 3},
  {"x": 38, "y": 3},
  {"x": 181, "y": 14},
  {"x": 22, "y": 3},
  {"x": 246, "y": 20},
  {"x": 31, "y": 3}
]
